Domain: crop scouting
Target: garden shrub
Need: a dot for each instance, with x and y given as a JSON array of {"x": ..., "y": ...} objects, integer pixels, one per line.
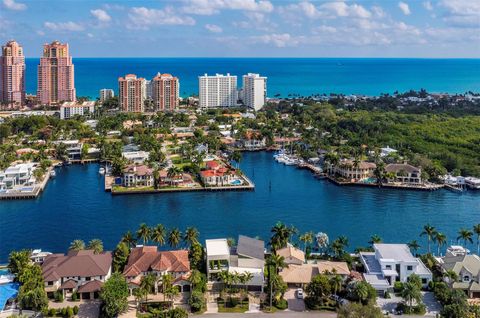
[{"x": 281, "y": 304}]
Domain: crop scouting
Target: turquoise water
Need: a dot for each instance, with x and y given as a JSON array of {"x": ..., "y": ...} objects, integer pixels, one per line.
[
  {"x": 304, "y": 76},
  {"x": 8, "y": 291},
  {"x": 74, "y": 206}
]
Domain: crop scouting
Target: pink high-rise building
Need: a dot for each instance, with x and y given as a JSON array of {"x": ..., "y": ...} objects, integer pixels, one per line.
[
  {"x": 12, "y": 75},
  {"x": 56, "y": 75},
  {"x": 165, "y": 92}
]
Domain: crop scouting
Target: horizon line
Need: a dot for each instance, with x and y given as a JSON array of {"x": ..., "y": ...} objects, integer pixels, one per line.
[{"x": 263, "y": 57}]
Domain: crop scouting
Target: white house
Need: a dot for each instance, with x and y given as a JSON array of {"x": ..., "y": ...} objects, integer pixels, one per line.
[
  {"x": 390, "y": 263},
  {"x": 137, "y": 175},
  {"x": 404, "y": 173},
  {"x": 138, "y": 157},
  {"x": 16, "y": 175},
  {"x": 384, "y": 152},
  {"x": 247, "y": 257},
  {"x": 73, "y": 148},
  {"x": 70, "y": 109}
]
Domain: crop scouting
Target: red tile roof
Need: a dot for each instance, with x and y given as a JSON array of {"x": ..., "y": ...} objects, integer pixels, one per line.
[
  {"x": 147, "y": 258},
  {"x": 212, "y": 164}
]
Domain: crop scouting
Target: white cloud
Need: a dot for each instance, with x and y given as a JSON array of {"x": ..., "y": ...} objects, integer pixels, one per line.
[
  {"x": 428, "y": 5},
  {"x": 278, "y": 40},
  {"x": 378, "y": 12},
  {"x": 143, "y": 18},
  {"x": 209, "y": 7},
  {"x": 462, "y": 13},
  {"x": 342, "y": 9},
  {"x": 213, "y": 28},
  {"x": 101, "y": 15},
  {"x": 404, "y": 8},
  {"x": 12, "y": 5},
  {"x": 326, "y": 10},
  {"x": 63, "y": 26}
]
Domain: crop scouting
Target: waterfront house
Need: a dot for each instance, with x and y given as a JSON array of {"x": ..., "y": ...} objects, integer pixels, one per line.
[
  {"x": 247, "y": 257},
  {"x": 137, "y": 157},
  {"x": 292, "y": 255},
  {"x": 472, "y": 183},
  {"x": 38, "y": 256},
  {"x": 82, "y": 272},
  {"x": 137, "y": 176},
  {"x": 18, "y": 175},
  {"x": 73, "y": 148},
  {"x": 390, "y": 263},
  {"x": 404, "y": 173},
  {"x": 299, "y": 275},
  {"x": 217, "y": 174},
  {"x": 350, "y": 170},
  {"x": 145, "y": 260},
  {"x": 467, "y": 268},
  {"x": 252, "y": 140}
]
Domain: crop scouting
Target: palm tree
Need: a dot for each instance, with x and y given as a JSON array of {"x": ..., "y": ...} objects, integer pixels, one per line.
[
  {"x": 147, "y": 283},
  {"x": 128, "y": 239},
  {"x": 77, "y": 245},
  {"x": 247, "y": 277},
  {"x": 96, "y": 245},
  {"x": 414, "y": 246},
  {"x": 173, "y": 172},
  {"x": 144, "y": 233},
  {"x": 428, "y": 231},
  {"x": 191, "y": 236},
  {"x": 277, "y": 262},
  {"x": 451, "y": 275},
  {"x": 375, "y": 239},
  {"x": 306, "y": 238},
  {"x": 158, "y": 234},
  {"x": 174, "y": 237},
  {"x": 195, "y": 278},
  {"x": 336, "y": 282},
  {"x": 411, "y": 293},
  {"x": 465, "y": 235},
  {"x": 441, "y": 240},
  {"x": 476, "y": 230},
  {"x": 167, "y": 281},
  {"x": 281, "y": 235}
]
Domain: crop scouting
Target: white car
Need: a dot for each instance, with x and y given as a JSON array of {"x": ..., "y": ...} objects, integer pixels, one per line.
[{"x": 299, "y": 293}]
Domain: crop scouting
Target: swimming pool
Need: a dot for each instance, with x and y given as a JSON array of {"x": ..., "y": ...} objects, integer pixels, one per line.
[
  {"x": 236, "y": 182},
  {"x": 8, "y": 291}
]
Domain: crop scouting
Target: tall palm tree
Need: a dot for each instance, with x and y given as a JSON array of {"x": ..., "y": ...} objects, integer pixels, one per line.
[
  {"x": 306, "y": 238},
  {"x": 195, "y": 278},
  {"x": 274, "y": 262},
  {"x": 465, "y": 235},
  {"x": 191, "y": 236},
  {"x": 375, "y": 239},
  {"x": 342, "y": 239},
  {"x": 451, "y": 275},
  {"x": 96, "y": 245},
  {"x": 173, "y": 172},
  {"x": 77, "y": 245},
  {"x": 128, "y": 239},
  {"x": 147, "y": 283},
  {"x": 167, "y": 281},
  {"x": 336, "y": 282},
  {"x": 281, "y": 235},
  {"x": 158, "y": 234},
  {"x": 174, "y": 237},
  {"x": 411, "y": 293},
  {"x": 441, "y": 240},
  {"x": 414, "y": 246},
  {"x": 428, "y": 231},
  {"x": 144, "y": 233},
  {"x": 476, "y": 230}
]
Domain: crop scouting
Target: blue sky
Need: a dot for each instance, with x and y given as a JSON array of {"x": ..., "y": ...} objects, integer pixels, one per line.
[{"x": 257, "y": 28}]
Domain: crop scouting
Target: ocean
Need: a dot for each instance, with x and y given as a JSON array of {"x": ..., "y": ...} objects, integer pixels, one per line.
[{"x": 303, "y": 76}]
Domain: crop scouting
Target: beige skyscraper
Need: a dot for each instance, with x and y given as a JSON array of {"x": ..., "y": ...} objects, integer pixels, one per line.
[
  {"x": 56, "y": 82},
  {"x": 132, "y": 93},
  {"x": 12, "y": 75},
  {"x": 165, "y": 89}
]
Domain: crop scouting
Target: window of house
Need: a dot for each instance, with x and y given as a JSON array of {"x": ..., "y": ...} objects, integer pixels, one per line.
[
  {"x": 87, "y": 279},
  {"x": 388, "y": 266},
  {"x": 466, "y": 278},
  {"x": 424, "y": 281},
  {"x": 409, "y": 267}
]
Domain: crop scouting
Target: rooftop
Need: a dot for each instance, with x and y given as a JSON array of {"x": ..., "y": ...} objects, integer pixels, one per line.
[
  {"x": 217, "y": 247},
  {"x": 251, "y": 247},
  {"x": 398, "y": 252}
]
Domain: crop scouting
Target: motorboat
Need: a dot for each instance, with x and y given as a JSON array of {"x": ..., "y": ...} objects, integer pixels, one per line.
[{"x": 101, "y": 170}]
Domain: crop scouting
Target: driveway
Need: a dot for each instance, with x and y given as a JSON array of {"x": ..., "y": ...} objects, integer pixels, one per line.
[
  {"x": 431, "y": 304},
  {"x": 294, "y": 304}
]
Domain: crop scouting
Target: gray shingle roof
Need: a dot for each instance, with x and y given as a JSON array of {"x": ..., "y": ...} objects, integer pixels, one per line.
[{"x": 250, "y": 247}]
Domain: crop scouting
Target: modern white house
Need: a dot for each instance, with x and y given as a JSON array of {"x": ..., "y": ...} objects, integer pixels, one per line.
[
  {"x": 390, "y": 263},
  {"x": 17, "y": 175},
  {"x": 247, "y": 257},
  {"x": 73, "y": 148},
  {"x": 137, "y": 175}
]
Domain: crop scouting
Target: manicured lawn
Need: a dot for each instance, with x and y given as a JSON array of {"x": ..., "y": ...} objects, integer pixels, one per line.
[
  {"x": 237, "y": 309},
  {"x": 124, "y": 189}
]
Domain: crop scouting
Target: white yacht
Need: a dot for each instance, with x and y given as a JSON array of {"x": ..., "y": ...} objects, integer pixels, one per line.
[
  {"x": 53, "y": 173},
  {"x": 101, "y": 170}
]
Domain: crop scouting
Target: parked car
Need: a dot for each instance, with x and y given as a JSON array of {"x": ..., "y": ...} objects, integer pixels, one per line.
[{"x": 299, "y": 293}]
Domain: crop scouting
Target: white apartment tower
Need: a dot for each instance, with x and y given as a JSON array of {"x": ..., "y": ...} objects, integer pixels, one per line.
[
  {"x": 217, "y": 91},
  {"x": 254, "y": 91},
  {"x": 106, "y": 93}
]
